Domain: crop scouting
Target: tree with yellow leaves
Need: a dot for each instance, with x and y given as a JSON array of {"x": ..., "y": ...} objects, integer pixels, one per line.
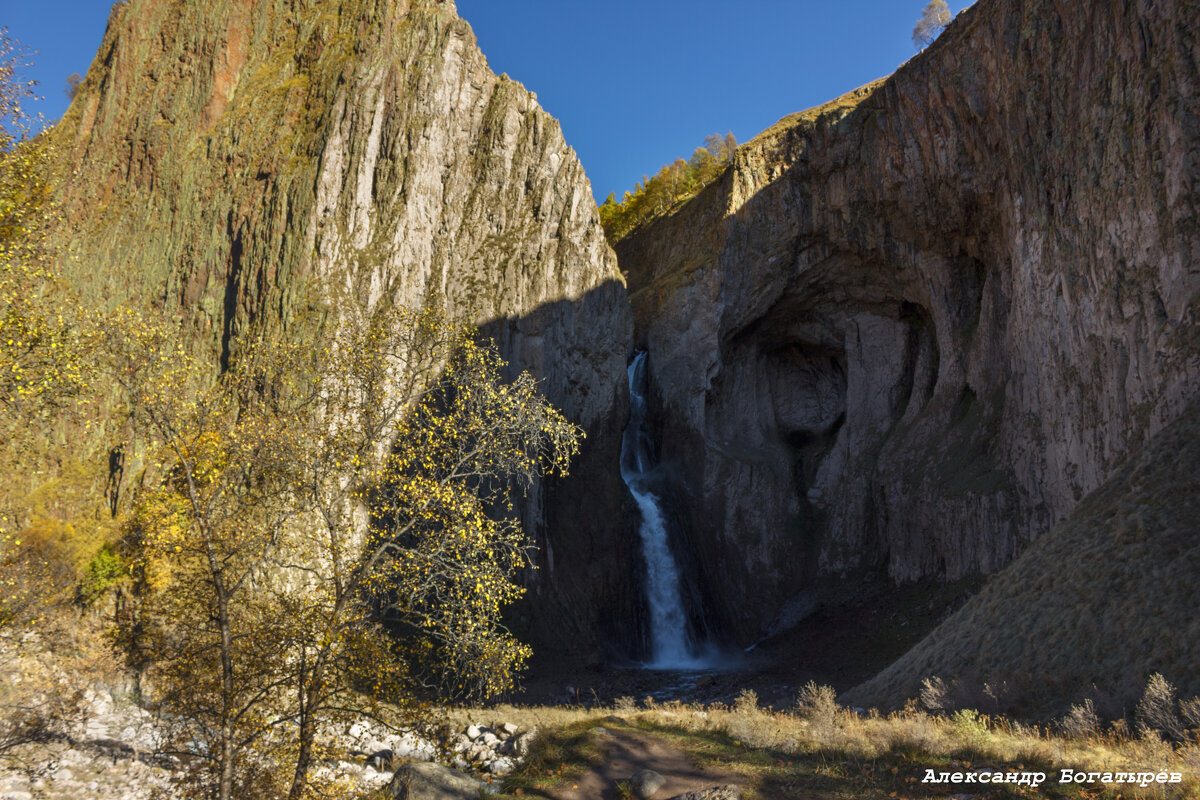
[
  {"x": 43, "y": 372},
  {"x": 297, "y": 570},
  {"x": 40, "y": 363},
  {"x": 44, "y": 343}
]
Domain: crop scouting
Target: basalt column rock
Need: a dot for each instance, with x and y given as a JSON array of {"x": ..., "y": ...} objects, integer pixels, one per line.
[
  {"x": 228, "y": 158},
  {"x": 907, "y": 331}
]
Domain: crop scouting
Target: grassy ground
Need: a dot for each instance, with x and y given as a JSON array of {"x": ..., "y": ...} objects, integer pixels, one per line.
[{"x": 821, "y": 752}]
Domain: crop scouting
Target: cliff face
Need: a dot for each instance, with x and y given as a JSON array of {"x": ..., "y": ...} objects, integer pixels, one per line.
[
  {"x": 910, "y": 330},
  {"x": 230, "y": 157}
]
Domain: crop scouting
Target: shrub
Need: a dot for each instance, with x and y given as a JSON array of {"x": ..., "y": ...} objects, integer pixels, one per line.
[
  {"x": 746, "y": 702},
  {"x": 998, "y": 695},
  {"x": 934, "y": 695},
  {"x": 1119, "y": 729},
  {"x": 625, "y": 703},
  {"x": 1081, "y": 722},
  {"x": 970, "y": 727},
  {"x": 1156, "y": 711},
  {"x": 817, "y": 704},
  {"x": 105, "y": 569},
  {"x": 1190, "y": 711}
]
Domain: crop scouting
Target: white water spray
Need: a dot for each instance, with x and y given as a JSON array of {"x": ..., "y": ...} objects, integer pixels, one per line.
[{"x": 671, "y": 644}]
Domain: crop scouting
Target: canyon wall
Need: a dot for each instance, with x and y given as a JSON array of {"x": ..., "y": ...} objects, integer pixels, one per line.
[
  {"x": 906, "y": 332},
  {"x": 240, "y": 163}
]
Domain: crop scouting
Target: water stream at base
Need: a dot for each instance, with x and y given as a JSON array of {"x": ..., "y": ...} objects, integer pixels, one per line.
[{"x": 672, "y": 647}]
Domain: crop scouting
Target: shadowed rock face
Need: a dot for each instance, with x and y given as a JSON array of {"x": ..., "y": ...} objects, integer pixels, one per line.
[
  {"x": 230, "y": 156},
  {"x": 909, "y": 330},
  {"x": 1121, "y": 568}
]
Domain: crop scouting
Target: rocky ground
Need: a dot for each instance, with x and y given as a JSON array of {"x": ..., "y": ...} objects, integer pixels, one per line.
[
  {"x": 110, "y": 754},
  {"x": 114, "y": 754}
]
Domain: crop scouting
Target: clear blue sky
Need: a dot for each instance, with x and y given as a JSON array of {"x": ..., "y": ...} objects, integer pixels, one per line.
[{"x": 636, "y": 83}]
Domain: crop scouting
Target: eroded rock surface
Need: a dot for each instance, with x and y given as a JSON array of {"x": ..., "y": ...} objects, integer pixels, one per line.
[{"x": 908, "y": 331}]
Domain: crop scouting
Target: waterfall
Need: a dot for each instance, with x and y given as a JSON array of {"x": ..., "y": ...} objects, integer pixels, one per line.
[{"x": 671, "y": 645}]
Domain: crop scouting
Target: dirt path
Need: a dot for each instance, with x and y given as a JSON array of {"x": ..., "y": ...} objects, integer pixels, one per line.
[{"x": 627, "y": 752}]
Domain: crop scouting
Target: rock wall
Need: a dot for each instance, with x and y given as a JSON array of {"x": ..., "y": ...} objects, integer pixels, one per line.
[
  {"x": 907, "y": 331},
  {"x": 228, "y": 158}
]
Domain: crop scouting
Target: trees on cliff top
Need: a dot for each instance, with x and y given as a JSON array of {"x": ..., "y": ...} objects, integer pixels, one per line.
[{"x": 672, "y": 183}]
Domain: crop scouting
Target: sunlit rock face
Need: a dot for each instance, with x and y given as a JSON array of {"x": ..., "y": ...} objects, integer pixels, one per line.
[
  {"x": 230, "y": 158},
  {"x": 907, "y": 332}
]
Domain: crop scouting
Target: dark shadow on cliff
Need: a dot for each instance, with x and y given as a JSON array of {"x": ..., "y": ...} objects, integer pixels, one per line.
[
  {"x": 584, "y": 597},
  {"x": 830, "y": 413}
]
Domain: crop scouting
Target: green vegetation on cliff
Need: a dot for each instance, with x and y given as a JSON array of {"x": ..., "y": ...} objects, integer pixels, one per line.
[
  {"x": 221, "y": 159},
  {"x": 46, "y": 536}
]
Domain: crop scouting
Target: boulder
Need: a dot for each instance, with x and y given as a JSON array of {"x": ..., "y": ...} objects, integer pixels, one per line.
[
  {"x": 372, "y": 745},
  {"x": 501, "y": 766},
  {"x": 646, "y": 783},
  {"x": 410, "y": 745},
  {"x": 522, "y": 744}
]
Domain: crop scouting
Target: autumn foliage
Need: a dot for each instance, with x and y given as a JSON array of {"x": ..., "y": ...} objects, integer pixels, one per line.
[
  {"x": 44, "y": 366},
  {"x": 296, "y": 572},
  {"x": 671, "y": 184}
]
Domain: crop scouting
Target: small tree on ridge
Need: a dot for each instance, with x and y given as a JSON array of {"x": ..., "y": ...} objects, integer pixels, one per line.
[{"x": 933, "y": 21}]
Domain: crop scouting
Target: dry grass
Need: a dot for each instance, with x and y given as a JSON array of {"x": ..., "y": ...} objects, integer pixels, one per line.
[{"x": 821, "y": 751}]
